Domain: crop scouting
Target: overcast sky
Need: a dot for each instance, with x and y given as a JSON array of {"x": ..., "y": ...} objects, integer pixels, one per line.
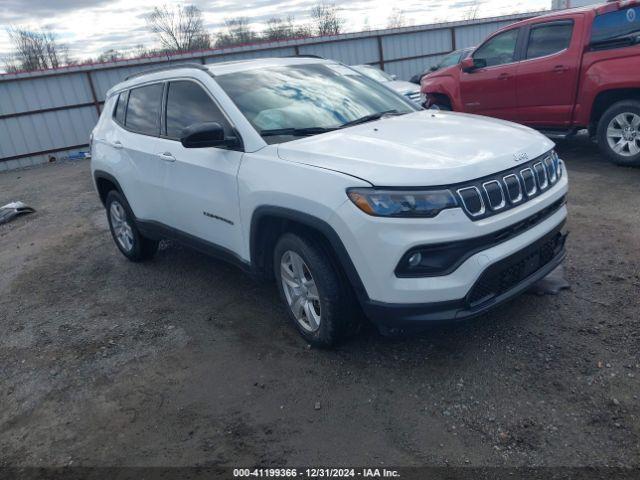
[{"x": 89, "y": 27}]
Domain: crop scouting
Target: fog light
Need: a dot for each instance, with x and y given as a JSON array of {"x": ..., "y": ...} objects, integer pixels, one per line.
[{"x": 415, "y": 259}]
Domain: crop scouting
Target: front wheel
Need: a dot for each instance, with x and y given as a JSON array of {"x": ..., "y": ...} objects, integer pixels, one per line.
[
  {"x": 619, "y": 133},
  {"x": 317, "y": 299}
]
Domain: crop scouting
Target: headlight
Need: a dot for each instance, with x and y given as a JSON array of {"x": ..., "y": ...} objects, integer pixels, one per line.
[
  {"x": 402, "y": 203},
  {"x": 557, "y": 163}
]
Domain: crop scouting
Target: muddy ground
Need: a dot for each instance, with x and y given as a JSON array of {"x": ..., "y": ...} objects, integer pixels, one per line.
[{"x": 186, "y": 361}]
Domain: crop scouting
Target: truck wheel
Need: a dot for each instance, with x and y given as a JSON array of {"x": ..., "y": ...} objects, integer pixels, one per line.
[
  {"x": 124, "y": 231},
  {"x": 316, "y": 298},
  {"x": 619, "y": 133}
]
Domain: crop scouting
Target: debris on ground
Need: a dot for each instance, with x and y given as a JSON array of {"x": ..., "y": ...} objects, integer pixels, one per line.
[
  {"x": 12, "y": 210},
  {"x": 551, "y": 284}
]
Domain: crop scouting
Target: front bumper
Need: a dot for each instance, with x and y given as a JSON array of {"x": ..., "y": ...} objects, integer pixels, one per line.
[{"x": 499, "y": 283}]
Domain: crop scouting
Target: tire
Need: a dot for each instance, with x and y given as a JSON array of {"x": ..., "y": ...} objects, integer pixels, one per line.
[
  {"x": 330, "y": 315},
  {"x": 616, "y": 119},
  {"x": 124, "y": 231}
]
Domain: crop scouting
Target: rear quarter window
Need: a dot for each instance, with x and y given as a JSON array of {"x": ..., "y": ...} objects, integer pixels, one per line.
[
  {"x": 120, "y": 108},
  {"x": 143, "y": 109}
]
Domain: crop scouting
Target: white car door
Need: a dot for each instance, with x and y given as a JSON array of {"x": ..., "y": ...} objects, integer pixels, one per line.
[
  {"x": 141, "y": 170},
  {"x": 201, "y": 190}
]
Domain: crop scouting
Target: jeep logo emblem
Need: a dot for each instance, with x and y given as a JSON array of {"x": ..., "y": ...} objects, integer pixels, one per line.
[{"x": 520, "y": 157}]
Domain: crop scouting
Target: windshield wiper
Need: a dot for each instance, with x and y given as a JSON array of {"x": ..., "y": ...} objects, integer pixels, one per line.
[
  {"x": 296, "y": 132},
  {"x": 370, "y": 118}
]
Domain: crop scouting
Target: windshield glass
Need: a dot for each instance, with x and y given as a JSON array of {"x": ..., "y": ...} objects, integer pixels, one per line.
[
  {"x": 310, "y": 96},
  {"x": 375, "y": 73}
]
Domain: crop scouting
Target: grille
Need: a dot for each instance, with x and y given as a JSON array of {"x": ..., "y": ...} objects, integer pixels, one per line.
[
  {"x": 506, "y": 274},
  {"x": 413, "y": 96},
  {"x": 499, "y": 192}
]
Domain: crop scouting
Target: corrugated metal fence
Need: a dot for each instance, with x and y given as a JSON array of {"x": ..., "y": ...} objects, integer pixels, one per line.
[{"x": 49, "y": 114}]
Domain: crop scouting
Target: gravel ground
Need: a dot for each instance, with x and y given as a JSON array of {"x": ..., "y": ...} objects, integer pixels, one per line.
[{"x": 186, "y": 361}]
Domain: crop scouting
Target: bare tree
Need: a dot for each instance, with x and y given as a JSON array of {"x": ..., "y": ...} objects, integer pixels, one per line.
[
  {"x": 326, "y": 19},
  {"x": 110, "y": 55},
  {"x": 284, "y": 29},
  {"x": 473, "y": 11},
  {"x": 35, "y": 50},
  {"x": 237, "y": 31},
  {"x": 179, "y": 28},
  {"x": 396, "y": 19}
]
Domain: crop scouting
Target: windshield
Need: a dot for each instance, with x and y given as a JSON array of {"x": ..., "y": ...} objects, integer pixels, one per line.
[
  {"x": 450, "y": 60},
  {"x": 310, "y": 97},
  {"x": 375, "y": 73}
]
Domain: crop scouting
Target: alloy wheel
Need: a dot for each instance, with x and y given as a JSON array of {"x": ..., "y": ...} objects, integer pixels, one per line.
[
  {"x": 121, "y": 228},
  {"x": 623, "y": 134},
  {"x": 300, "y": 291}
]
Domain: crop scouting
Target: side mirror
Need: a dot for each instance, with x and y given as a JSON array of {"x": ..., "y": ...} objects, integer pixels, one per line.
[
  {"x": 433, "y": 68},
  {"x": 208, "y": 134},
  {"x": 470, "y": 64}
]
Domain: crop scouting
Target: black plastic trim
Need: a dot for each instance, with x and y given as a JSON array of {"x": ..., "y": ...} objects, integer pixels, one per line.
[
  {"x": 313, "y": 222},
  {"x": 398, "y": 316},
  {"x": 158, "y": 231},
  {"x": 475, "y": 245}
]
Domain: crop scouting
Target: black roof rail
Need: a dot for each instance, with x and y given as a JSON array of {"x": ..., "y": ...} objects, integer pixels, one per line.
[
  {"x": 169, "y": 67},
  {"x": 304, "y": 55}
]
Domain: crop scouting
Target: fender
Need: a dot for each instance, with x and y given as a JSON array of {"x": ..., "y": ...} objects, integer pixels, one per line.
[
  {"x": 317, "y": 224},
  {"x": 605, "y": 71},
  {"x": 443, "y": 85}
]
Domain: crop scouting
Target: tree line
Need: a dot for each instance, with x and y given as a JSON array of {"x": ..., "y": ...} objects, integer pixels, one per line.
[{"x": 177, "y": 29}]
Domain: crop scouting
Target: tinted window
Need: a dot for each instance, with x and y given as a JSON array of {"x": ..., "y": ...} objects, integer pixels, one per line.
[
  {"x": 143, "y": 110},
  {"x": 450, "y": 60},
  {"x": 549, "y": 39},
  {"x": 499, "y": 50},
  {"x": 121, "y": 106},
  {"x": 613, "y": 25},
  {"x": 188, "y": 103}
]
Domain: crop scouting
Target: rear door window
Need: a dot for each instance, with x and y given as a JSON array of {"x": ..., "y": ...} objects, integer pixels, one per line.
[
  {"x": 616, "y": 29},
  {"x": 499, "y": 50},
  {"x": 550, "y": 38},
  {"x": 143, "y": 109},
  {"x": 188, "y": 104}
]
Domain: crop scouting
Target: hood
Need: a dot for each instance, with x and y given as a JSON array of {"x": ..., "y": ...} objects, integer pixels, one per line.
[
  {"x": 403, "y": 87},
  {"x": 425, "y": 148}
]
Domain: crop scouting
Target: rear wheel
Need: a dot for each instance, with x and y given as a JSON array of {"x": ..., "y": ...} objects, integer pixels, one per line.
[
  {"x": 619, "y": 133},
  {"x": 317, "y": 299},
  {"x": 124, "y": 231}
]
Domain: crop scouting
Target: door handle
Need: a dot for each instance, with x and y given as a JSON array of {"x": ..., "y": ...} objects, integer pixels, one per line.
[
  {"x": 504, "y": 76},
  {"x": 117, "y": 144},
  {"x": 167, "y": 157},
  {"x": 560, "y": 69}
]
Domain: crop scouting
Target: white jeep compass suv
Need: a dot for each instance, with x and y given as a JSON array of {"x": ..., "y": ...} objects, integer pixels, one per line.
[{"x": 353, "y": 199}]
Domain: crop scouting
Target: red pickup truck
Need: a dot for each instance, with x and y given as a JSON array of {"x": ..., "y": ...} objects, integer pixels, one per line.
[{"x": 559, "y": 73}]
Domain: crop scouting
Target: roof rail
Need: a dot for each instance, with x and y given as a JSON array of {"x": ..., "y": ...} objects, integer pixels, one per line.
[
  {"x": 168, "y": 67},
  {"x": 303, "y": 55}
]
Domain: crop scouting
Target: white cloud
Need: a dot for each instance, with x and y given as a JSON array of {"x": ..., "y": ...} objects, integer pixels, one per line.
[{"x": 90, "y": 27}]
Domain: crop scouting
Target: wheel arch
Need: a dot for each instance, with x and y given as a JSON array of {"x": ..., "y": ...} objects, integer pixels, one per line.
[
  {"x": 268, "y": 223},
  {"x": 607, "y": 98},
  {"x": 106, "y": 182}
]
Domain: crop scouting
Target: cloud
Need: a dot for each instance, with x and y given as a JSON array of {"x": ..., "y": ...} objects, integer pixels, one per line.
[{"x": 89, "y": 27}]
